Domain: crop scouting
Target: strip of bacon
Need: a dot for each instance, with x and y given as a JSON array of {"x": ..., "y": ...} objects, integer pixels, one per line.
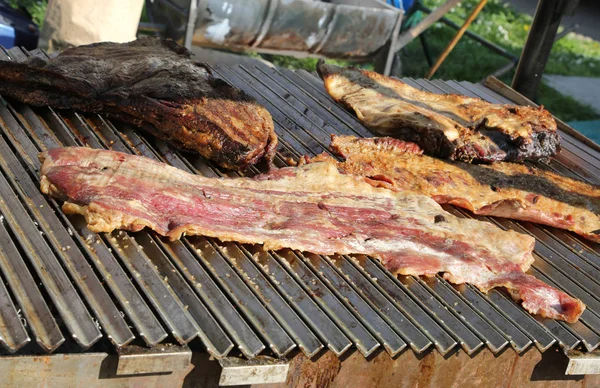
[
  {"x": 502, "y": 189},
  {"x": 310, "y": 208}
]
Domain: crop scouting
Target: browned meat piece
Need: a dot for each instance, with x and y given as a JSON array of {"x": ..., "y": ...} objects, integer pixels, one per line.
[
  {"x": 502, "y": 189},
  {"x": 311, "y": 208},
  {"x": 447, "y": 126},
  {"x": 153, "y": 84}
]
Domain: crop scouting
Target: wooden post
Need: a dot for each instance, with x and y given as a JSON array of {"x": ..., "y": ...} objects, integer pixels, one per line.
[
  {"x": 433, "y": 17},
  {"x": 456, "y": 38}
]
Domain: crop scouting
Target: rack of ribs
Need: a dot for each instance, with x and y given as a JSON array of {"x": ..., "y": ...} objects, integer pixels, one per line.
[
  {"x": 312, "y": 208},
  {"x": 447, "y": 126},
  {"x": 501, "y": 189}
]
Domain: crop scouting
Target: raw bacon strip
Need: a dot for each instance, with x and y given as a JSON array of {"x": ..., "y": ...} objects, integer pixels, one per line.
[
  {"x": 443, "y": 125},
  {"x": 502, "y": 189},
  {"x": 311, "y": 208}
]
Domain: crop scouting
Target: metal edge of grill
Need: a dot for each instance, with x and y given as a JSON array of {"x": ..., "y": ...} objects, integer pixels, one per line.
[{"x": 76, "y": 290}]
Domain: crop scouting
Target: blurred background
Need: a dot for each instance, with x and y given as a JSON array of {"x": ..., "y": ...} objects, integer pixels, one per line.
[{"x": 467, "y": 40}]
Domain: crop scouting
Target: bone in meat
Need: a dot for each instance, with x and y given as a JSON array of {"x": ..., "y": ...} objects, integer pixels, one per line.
[
  {"x": 310, "y": 208},
  {"x": 153, "y": 84},
  {"x": 501, "y": 189},
  {"x": 448, "y": 126}
]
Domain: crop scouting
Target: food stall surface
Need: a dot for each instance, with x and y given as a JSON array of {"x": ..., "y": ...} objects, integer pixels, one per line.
[{"x": 136, "y": 305}]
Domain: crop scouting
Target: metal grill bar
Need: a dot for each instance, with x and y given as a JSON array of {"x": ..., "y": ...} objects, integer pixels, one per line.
[
  {"x": 276, "y": 304},
  {"x": 212, "y": 336},
  {"x": 419, "y": 329},
  {"x": 493, "y": 339},
  {"x": 216, "y": 341},
  {"x": 100, "y": 302},
  {"x": 28, "y": 297},
  {"x": 231, "y": 295},
  {"x": 320, "y": 323},
  {"x": 391, "y": 341},
  {"x": 467, "y": 339},
  {"x": 116, "y": 315},
  {"x": 278, "y": 339},
  {"x": 267, "y": 326},
  {"x": 12, "y": 333},
  {"x": 263, "y": 97},
  {"x": 148, "y": 326},
  {"x": 312, "y": 283},
  {"x": 590, "y": 342},
  {"x": 74, "y": 313}
]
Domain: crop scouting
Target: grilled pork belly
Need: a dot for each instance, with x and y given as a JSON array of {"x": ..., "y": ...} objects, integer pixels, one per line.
[
  {"x": 310, "y": 208},
  {"x": 447, "y": 126},
  {"x": 506, "y": 190},
  {"x": 152, "y": 84}
]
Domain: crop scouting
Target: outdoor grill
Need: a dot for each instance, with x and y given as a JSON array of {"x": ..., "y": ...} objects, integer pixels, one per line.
[{"x": 78, "y": 306}]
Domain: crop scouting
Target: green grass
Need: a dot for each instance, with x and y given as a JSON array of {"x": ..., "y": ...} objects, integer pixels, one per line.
[
  {"x": 564, "y": 107},
  {"x": 470, "y": 61},
  {"x": 308, "y": 64},
  {"x": 503, "y": 25},
  {"x": 35, "y": 8}
]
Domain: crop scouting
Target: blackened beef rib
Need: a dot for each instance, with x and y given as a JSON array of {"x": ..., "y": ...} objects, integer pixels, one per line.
[
  {"x": 151, "y": 83},
  {"x": 501, "y": 189},
  {"x": 448, "y": 126}
]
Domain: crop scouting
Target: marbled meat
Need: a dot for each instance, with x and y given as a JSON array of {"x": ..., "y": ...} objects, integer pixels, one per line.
[
  {"x": 311, "y": 208},
  {"x": 501, "y": 189}
]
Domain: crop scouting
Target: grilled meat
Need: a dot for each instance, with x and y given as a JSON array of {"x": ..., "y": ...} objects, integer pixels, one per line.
[
  {"x": 152, "y": 84},
  {"x": 502, "y": 189},
  {"x": 311, "y": 208},
  {"x": 447, "y": 126}
]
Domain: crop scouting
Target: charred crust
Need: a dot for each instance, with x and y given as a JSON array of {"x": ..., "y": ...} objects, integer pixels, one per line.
[
  {"x": 180, "y": 102},
  {"x": 439, "y": 218}
]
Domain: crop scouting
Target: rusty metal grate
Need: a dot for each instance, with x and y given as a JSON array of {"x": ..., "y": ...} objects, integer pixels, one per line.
[{"x": 72, "y": 290}]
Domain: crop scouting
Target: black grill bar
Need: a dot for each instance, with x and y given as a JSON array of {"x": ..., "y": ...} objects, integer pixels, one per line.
[
  {"x": 306, "y": 307},
  {"x": 13, "y": 335},
  {"x": 216, "y": 341},
  {"x": 64, "y": 243},
  {"x": 278, "y": 339},
  {"x": 32, "y": 305},
  {"x": 352, "y": 327},
  {"x": 270, "y": 329},
  {"x": 405, "y": 317},
  {"x": 590, "y": 342},
  {"x": 212, "y": 336},
  {"x": 267, "y": 326},
  {"x": 230, "y": 295},
  {"x": 275, "y": 302},
  {"x": 389, "y": 338},
  {"x": 113, "y": 275},
  {"x": 72, "y": 309}
]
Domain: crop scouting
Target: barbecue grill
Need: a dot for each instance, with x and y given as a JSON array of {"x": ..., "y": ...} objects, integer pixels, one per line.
[{"x": 121, "y": 308}]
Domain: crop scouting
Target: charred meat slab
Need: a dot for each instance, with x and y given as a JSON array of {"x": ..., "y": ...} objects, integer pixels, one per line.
[
  {"x": 311, "y": 208},
  {"x": 151, "y": 83},
  {"x": 447, "y": 126},
  {"x": 502, "y": 189}
]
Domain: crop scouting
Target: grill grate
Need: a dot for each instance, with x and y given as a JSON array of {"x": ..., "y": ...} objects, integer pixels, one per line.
[{"x": 76, "y": 289}]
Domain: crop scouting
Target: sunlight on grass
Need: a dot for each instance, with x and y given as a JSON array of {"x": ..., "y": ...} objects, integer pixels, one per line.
[{"x": 503, "y": 25}]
